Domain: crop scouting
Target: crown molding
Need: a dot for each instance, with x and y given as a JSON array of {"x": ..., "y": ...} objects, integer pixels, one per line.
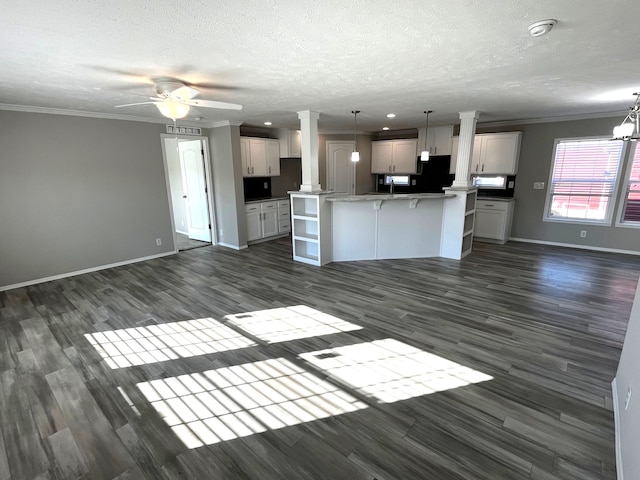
[
  {"x": 225, "y": 123},
  {"x": 564, "y": 118}
]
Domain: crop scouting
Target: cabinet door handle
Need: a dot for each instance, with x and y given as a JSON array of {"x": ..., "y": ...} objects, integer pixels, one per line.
[
  {"x": 269, "y": 169},
  {"x": 394, "y": 168},
  {"x": 476, "y": 168},
  {"x": 251, "y": 170},
  {"x": 248, "y": 170},
  {"x": 482, "y": 170}
]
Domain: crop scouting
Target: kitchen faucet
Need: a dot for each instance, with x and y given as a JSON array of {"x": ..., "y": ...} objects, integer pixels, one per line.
[{"x": 391, "y": 187}]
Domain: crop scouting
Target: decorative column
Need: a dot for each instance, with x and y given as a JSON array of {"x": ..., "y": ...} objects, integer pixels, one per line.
[
  {"x": 309, "y": 147},
  {"x": 468, "y": 121}
]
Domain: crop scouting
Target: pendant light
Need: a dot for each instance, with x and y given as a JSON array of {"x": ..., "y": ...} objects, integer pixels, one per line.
[
  {"x": 629, "y": 129},
  {"x": 424, "y": 156},
  {"x": 355, "y": 155}
]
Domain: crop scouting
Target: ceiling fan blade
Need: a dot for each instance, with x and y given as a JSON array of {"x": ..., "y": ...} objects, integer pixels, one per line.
[
  {"x": 211, "y": 86},
  {"x": 184, "y": 93},
  {"x": 212, "y": 104},
  {"x": 132, "y": 104}
]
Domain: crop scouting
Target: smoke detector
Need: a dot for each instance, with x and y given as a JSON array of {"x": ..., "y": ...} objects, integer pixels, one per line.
[{"x": 541, "y": 27}]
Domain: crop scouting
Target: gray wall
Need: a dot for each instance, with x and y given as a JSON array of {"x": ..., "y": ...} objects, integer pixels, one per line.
[
  {"x": 364, "y": 179},
  {"x": 289, "y": 179},
  {"x": 175, "y": 180},
  {"x": 78, "y": 193},
  {"x": 535, "y": 164},
  {"x": 228, "y": 190},
  {"x": 629, "y": 376}
]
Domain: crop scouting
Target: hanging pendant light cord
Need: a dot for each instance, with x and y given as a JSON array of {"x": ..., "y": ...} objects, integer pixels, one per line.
[
  {"x": 426, "y": 128},
  {"x": 355, "y": 129}
]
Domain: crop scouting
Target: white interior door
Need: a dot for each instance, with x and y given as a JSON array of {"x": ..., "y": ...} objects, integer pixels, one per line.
[
  {"x": 340, "y": 168},
  {"x": 195, "y": 190}
]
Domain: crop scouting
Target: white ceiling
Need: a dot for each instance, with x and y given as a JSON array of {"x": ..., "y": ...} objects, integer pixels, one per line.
[{"x": 332, "y": 56}]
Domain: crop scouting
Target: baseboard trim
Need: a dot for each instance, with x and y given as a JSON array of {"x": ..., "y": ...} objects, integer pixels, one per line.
[
  {"x": 80, "y": 272},
  {"x": 183, "y": 233},
  {"x": 573, "y": 245},
  {"x": 616, "y": 419},
  {"x": 234, "y": 247}
]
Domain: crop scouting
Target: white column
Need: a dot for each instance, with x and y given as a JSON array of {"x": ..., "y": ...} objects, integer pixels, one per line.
[
  {"x": 309, "y": 147},
  {"x": 468, "y": 122}
]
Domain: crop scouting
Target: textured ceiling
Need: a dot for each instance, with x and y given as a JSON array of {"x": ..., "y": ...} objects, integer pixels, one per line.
[{"x": 330, "y": 56}]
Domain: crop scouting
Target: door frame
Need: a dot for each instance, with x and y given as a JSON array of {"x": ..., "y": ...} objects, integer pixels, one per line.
[
  {"x": 208, "y": 181},
  {"x": 328, "y": 163}
]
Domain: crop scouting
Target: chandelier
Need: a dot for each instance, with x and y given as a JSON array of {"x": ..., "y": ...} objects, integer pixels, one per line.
[{"x": 629, "y": 129}]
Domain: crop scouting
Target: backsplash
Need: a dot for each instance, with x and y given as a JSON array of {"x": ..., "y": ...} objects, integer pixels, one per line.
[{"x": 257, "y": 187}]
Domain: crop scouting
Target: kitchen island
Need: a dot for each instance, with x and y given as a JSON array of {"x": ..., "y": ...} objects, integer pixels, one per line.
[
  {"x": 385, "y": 226},
  {"x": 329, "y": 227}
]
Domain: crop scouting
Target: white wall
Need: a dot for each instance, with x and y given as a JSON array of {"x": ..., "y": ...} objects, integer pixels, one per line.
[
  {"x": 628, "y": 375},
  {"x": 78, "y": 193}
]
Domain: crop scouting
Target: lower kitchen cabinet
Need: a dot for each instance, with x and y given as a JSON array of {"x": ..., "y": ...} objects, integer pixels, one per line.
[
  {"x": 265, "y": 219},
  {"x": 493, "y": 220}
]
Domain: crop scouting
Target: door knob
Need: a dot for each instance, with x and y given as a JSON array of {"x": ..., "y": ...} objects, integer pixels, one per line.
[{"x": 184, "y": 196}]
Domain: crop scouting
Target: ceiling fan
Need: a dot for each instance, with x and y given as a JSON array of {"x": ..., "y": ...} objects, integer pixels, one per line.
[{"x": 174, "y": 98}]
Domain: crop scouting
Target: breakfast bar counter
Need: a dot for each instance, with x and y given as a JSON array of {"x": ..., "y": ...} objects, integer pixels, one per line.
[{"x": 385, "y": 226}]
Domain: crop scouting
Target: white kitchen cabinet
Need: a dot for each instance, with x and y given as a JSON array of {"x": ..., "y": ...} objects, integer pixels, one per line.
[
  {"x": 493, "y": 220},
  {"x": 394, "y": 156},
  {"x": 438, "y": 140},
  {"x": 262, "y": 220},
  {"x": 260, "y": 157},
  {"x": 273, "y": 158},
  {"x": 284, "y": 216},
  {"x": 290, "y": 143},
  {"x": 493, "y": 153}
]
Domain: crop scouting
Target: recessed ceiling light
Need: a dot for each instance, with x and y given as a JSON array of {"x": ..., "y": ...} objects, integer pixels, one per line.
[
  {"x": 391, "y": 115},
  {"x": 541, "y": 28},
  {"x": 268, "y": 124},
  {"x": 385, "y": 128}
]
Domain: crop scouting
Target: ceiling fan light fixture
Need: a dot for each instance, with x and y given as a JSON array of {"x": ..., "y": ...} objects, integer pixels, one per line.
[
  {"x": 541, "y": 27},
  {"x": 173, "y": 109}
]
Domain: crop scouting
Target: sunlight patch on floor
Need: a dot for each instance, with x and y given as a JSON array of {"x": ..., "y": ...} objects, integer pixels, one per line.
[
  {"x": 226, "y": 403},
  {"x": 389, "y": 370},
  {"x": 165, "y": 341},
  {"x": 290, "y": 323}
]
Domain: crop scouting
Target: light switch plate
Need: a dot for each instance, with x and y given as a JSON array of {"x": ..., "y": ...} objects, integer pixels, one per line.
[{"x": 538, "y": 185}]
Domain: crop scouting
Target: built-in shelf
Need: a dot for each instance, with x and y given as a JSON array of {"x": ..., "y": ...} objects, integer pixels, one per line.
[{"x": 309, "y": 244}]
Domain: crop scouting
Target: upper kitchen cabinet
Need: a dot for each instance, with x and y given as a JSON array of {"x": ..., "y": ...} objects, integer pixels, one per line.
[
  {"x": 260, "y": 157},
  {"x": 438, "y": 140},
  {"x": 394, "y": 156},
  {"x": 493, "y": 153},
  {"x": 290, "y": 143}
]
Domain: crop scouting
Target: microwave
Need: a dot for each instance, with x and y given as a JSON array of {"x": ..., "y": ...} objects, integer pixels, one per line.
[{"x": 494, "y": 185}]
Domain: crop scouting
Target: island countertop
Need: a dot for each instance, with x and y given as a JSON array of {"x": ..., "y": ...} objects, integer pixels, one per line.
[{"x": 388, "y": 196}]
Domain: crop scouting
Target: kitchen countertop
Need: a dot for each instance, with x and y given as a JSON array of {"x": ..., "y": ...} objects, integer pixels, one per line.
[
  {"x": 387, "y": 196},
  {"x": 266, "y": 199}
]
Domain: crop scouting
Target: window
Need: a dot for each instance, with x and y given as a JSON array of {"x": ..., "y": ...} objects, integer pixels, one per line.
[
  {"x": 583, "y": 180},
  {"x": 631, "y": 210}
]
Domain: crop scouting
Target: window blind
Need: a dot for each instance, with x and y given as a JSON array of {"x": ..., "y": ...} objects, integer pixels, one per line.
[
  {"x": 632, "y": 201},
  {"x": 584, "y": 179}
]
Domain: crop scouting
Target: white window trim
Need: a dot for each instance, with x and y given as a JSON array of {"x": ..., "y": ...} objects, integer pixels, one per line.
[
  {"x": 608, "y": 221},
  {"x": 630, "y": 153}
]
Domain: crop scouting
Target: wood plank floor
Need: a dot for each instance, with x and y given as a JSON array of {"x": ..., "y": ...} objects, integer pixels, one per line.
[{"x": 495, "y": 367}]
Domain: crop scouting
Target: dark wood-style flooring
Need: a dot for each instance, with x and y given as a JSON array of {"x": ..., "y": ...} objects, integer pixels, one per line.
[{"x": 535, "y": 332}]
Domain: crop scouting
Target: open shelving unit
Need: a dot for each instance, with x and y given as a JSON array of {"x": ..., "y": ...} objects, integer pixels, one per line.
[
  {"x": 469, "y": 221},
  {"x": 311, "y": 224}
]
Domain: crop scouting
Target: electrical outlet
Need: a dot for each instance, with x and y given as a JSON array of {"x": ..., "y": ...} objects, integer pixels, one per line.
[
  {"x": 538, "y": 185},
  {"x": 413, "y": 181},
  {"x": 627, "y": 398},
  {"x": 158, "y": 241},
  {"x": 266, "y": 185},
  {"x": 583, "y": 234}
]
